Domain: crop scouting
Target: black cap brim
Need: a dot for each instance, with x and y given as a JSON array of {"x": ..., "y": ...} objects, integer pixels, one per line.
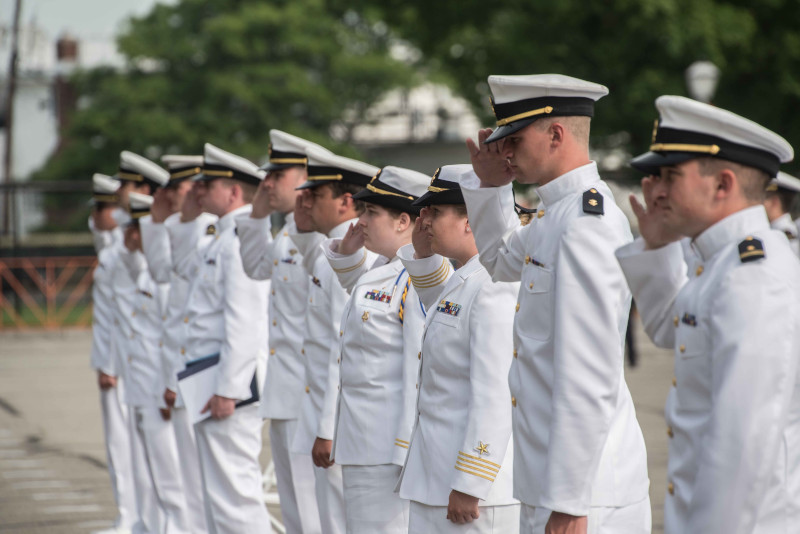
[
  {"x": 311, "y": 184},
  {"x": 508, "y": 129},
  {"x": 651, "y": 162},
  {"x": 388, "y": 201},
  {"x": 452, "y": 196},
  {"x": 269, "y": 167}
]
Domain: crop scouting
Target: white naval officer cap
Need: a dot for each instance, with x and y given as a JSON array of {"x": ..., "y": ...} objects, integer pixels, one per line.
[
  {"x": 326, "y": 167},
  {"x": 785, "y": 182},
  {"x": 182, "y": 167},
  {"x": 689, "y": 129},
  {"x": 135, "y": 168},
  {"x": 445, "y": 186},
  {"x": 139, "y": 205},
  {"x": 219, "y": 163},
  {"x": 287, "y": 150},
  {"x": 395, "y": 187},
  {"x": 517, "y": 101},
  {"x": 104, "y": 189}
]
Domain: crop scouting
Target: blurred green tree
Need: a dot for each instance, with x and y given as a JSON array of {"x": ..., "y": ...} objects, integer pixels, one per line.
[
  {"x": 639, "y": 49},
  {"x": 225, "y": 72}
]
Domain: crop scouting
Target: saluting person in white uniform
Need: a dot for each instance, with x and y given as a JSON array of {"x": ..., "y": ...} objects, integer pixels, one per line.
[
  {"x": 458, "y": 474},
  {"x": 781, "y": 195},
  {"x": 226, "y": 313},
  {"x": 153, "y": 447},
  {"x": 325, "y": 209},
  {"x": 108, "y": 241},
  {"x": 733, "y": 414},
  {"x": 380, "y": 335},
  {"x": 155, "y": 229},
  {"x": 278, "y": 260},
  {"x": 574, "y": 417}
]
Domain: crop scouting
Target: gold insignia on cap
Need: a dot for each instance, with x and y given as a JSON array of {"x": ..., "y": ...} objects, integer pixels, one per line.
[
  {"x": 482, "y": 448},
  {"x": 655, "y": 131}
]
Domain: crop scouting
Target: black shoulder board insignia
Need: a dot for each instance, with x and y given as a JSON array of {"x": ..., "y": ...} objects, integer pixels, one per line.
[
  {"x": 751, "y": 249},
  {"x": 211, "y": 229},
  {"x": 593, "y": 202},
  {"x": 235, "y": 230},
  {"x": 789, "y": 235}
]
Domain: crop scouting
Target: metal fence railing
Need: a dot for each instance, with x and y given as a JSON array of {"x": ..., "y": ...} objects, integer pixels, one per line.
[{"x": 46, "y": 292}]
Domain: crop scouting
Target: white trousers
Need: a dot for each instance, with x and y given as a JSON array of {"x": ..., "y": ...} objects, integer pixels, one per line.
[
  {"x": 632, "y": 519},
  {"x": 118, "y": 453},
  {"x": 189, "y": 465},
  {"x": 371, "y": 505},
  {"x": 228, "y": 450},
  {"x": 492, "y": 520},
  {"x": 330, "y": 498},
  {"x": 295, "y": 475},
  {"x": 159, "y": 483}
]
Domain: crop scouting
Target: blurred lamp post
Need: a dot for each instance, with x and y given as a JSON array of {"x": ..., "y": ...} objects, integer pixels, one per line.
[{"x": 701, "y": 80}]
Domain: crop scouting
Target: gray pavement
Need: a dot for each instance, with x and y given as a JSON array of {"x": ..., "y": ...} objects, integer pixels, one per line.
[{"x": 53, "y": 476}]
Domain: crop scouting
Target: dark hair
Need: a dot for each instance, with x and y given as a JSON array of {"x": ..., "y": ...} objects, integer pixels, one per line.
[
  {"x": 785, "y": 197},
  {"x": 340, "y": 188},
  {"x": 396, "y": 213}
]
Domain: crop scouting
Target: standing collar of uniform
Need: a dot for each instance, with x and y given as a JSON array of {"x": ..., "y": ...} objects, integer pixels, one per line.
[
  {"x": 341, "y": 229},
  {"x": 288, "y": 218},
  {"x": 575, "y": 181},
  {"x": 229, "y": 219},
  {"x": 784, "y": 223},
  {"x": 472, "y": 265},
  {"x": 731, "y": 229}
]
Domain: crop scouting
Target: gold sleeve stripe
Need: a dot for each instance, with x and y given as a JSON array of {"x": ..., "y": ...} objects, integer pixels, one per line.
[
  {"x": 401, "y": 445},
  {"x": 477, "y": 464},
  {"x": 434, "y": 283},
  {"x": 354, "y": 267},
  {"x": 475, "y": 474},
  {"x": 434, "y": 274},
  {"x": 478, "y": 469},
  {"x": 402, "y": 441},
  {"x": 479, "y": 459}
]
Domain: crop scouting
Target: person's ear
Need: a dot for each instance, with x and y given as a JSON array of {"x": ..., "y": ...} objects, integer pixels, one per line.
[
  {"x": 403, "y": 222},
  {"x": 727, "y": 183},
  {"x": 467, "y": 227},
  {"x": 557, "y": 134}
]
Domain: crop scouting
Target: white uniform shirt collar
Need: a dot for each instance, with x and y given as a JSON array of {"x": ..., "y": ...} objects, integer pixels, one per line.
[
  {"x": 734, "y": 227},
  {"x": 784, "y": 223},
  {"x": 229, "y": 219},
  {"x": 575, "y": 180},
  {"x": 288, "y": 219},
  {"x": 341, "y": 229},
  {"x": 468, "y": 268}
]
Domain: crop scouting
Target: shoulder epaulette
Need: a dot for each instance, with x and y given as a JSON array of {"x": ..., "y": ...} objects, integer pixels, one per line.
[
  {"x": 789, "y": 235},
  {"x": 211, "y": 229},
  {"x": 593, "y": 202},
  {"x": 751, "y": 249}
]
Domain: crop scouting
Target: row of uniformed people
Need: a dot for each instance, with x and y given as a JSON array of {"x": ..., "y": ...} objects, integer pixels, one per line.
[{"x": 578, "y": 455}]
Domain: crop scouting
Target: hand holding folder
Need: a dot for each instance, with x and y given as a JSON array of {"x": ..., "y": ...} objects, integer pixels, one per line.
[{"x": 197, "y": 383}]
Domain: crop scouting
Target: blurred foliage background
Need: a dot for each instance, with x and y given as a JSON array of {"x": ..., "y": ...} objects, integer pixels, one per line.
[{"x": 226, "y": 71}]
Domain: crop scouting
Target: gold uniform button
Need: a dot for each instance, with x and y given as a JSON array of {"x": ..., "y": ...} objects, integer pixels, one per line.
[
  {"x": 302, "y": 351},
  {"x": 338, "y": 360},
  {"x": 515, "y": 353},
  {"x": 163, "y": 317},
  {"x": 183, "y": 351},
  {"x": 274, "y": 323},
  {"x": 527, "y": 260},
  {"x": 341, "y": 333},
  {"x": 133, "y": 313},
  {"x": 186, "y": 319},
  {"x": 285, "y": 233},
  {"x": 272, "y": 352},
  {"x": 308, "y": 389},
  {"x": 285, "y": 278},
  {"x": 675, "y": 320},
  {"x": 275, "y": 262},
  {"x": 514, "y": 402},
  {"x": 416, "y": 386},
  {"x": 699, "y": 270},
  {"x": 674, "y": 382},
  {"x": 670, "y": 433},
  {"x": 682, "y": 348},
  {"x": 311, "y": 300},
  {"x": 160, "y": 344},
  {"x": 530, "y": 286},
  {"x": 540, "y": 214},
  {"x": 365, "y": 317},
  {"x": 517, "y": 308},
  {"x": 671, "y": 488},
  {"x": 419, "y": 355},
  {"x": 273, "y": 291}
]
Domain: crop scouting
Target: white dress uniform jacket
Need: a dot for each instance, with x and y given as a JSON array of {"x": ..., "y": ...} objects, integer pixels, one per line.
[
  {"x": 226, "y": 311},
  {"x": 733, "y": 414},
  {"x": 578, "y": 443},
  {"x": 462, "y": 434},
  {"x": 326, "y": 300},
  {"x": 381, "y": 334},
  {"x": 157, "y": 242},
  {"x": 277, "y": 260},
  {"x": 103, "y": 314},
  {"x": 785, "y": 224}
]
